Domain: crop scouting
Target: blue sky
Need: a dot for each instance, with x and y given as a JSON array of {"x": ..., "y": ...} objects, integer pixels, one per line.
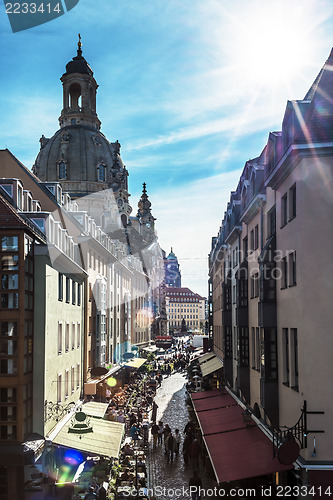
[{"x": 189, "y": 88}]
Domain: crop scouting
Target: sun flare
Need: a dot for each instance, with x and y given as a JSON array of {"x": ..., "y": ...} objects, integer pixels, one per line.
[{"x": 271, "y": 42}]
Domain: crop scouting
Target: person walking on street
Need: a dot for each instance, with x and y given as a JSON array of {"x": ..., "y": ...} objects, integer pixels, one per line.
[
  {"x": 154, "y": 431},
  {"x": 160, "y": 432},
  {"x": 166, "y": 432},
  {"x": 134, "y": 431},
  {"x": 189, "y": 429},
  {"x": 186, "y": 446},
  {"x": 194, "y": 451},
  {"x": 195, "y": 485},
  {"x": 177, "y": 439},
  {"x": 154, "y": 412},
  {"x": 170, "y": 447}
]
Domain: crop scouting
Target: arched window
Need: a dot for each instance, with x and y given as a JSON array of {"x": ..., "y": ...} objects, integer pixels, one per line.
[
  {"x": 62, "y": 170},
  {"x": 101, "y": 172},
  {"x": 75, "y": 96}
]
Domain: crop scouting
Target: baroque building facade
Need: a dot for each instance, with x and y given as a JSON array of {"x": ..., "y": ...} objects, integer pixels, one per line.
[{"x": 270, "y": 313}]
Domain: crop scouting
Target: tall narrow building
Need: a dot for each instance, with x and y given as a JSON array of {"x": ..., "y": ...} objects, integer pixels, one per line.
[{"x": 173, "y": 276}]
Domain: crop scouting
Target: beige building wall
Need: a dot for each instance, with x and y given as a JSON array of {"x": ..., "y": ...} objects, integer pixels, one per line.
[
  {"x": 307, "y": 306},
  {"x": 59, "y": 342},
  {"x": 217, "y": 276}
]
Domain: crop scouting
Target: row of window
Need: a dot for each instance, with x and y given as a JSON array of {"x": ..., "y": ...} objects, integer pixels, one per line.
[
  {"x": 10, "y": 365},
  {"x": 97, "y": 264},
  {"x": 174, "y": 310},
  {"x": 72, "y": 290},
  {"x": 189, "y": 316},
  {"x": 70, "y": 343},
  {"x": 180, "y": 293},
  {"x": 290, "y": 375},
  {"x": 11, "y": 301},
  {"x": 287, "y": 275},
  {"x": 288, "y": 213},
  {"x": 69, "y": 383},
  {"x": 188, "y": 323},
  {"x": 63, "y": 171},
  {"x": 181, "y": 299}
]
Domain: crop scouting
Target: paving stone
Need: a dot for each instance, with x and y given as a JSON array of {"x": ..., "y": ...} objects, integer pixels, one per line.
[{"x": 173, "y": 410}]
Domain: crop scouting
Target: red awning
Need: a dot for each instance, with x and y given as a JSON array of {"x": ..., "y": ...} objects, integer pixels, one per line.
[
  {"x": 236, "y": 451},
  {"x": 215, "y": 402},
  {"x": 205, "y": 394},
  {"x": 221, "y": 420},
  {"x": 242, "y": 454}
]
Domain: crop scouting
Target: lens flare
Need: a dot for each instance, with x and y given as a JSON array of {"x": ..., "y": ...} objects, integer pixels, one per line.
[
  {"x": 73, "y": 457},
  {"x": 65, "y": 474},
  {"x": 112, "y": 382}
]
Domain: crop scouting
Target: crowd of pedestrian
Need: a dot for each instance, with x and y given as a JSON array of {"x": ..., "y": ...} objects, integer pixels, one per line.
[{"x": 162, "y": 433}]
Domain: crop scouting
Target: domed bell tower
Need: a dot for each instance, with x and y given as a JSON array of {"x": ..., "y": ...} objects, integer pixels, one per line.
[{"x": 79, "y": 93}]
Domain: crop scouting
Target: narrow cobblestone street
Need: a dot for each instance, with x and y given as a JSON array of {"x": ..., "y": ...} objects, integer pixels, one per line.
[{"x": 172, "y": 410}]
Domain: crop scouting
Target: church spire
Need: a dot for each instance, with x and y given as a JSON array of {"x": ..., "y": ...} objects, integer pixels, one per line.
[
  {"x": 79, "y": 94},
  {"x": 144, "y": 204},
  {"x": 144, "y": 211},
  {"x": 79, "y": 47}
]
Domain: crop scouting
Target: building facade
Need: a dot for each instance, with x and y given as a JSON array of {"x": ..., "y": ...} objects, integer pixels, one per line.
[
  {"x": 184, "y": 309},
  {"x": 269, "y": 287}
]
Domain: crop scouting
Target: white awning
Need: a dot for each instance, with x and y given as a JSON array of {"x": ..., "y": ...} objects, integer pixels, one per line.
[
  {"x": 135, "y": 362},
  {"x": 206, "y": 357},
  {"x": 95, "y": 409},
  {"x": 211, "y": 365},
  {"x": 151, "y": 348},
  {"x": 105, "y": 439}
]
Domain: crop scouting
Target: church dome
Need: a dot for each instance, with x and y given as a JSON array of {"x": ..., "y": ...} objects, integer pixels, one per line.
[
  {"x": 78, "y": 155},
  {"x": 171, "y": 256},
  {"x": 78, "y": 65},
  {"x": 82, "y": 160}
]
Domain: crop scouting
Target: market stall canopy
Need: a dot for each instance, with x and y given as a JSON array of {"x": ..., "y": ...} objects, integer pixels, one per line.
[
  {"x": 104, "y": 440},
  {"x": 95, "y": 409},
  {"x": 151, "y": 348},
  {"x": 206, "y": 357},
  {"x": 211, "y": 365},
  {"x": 135, "y": 362}
]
